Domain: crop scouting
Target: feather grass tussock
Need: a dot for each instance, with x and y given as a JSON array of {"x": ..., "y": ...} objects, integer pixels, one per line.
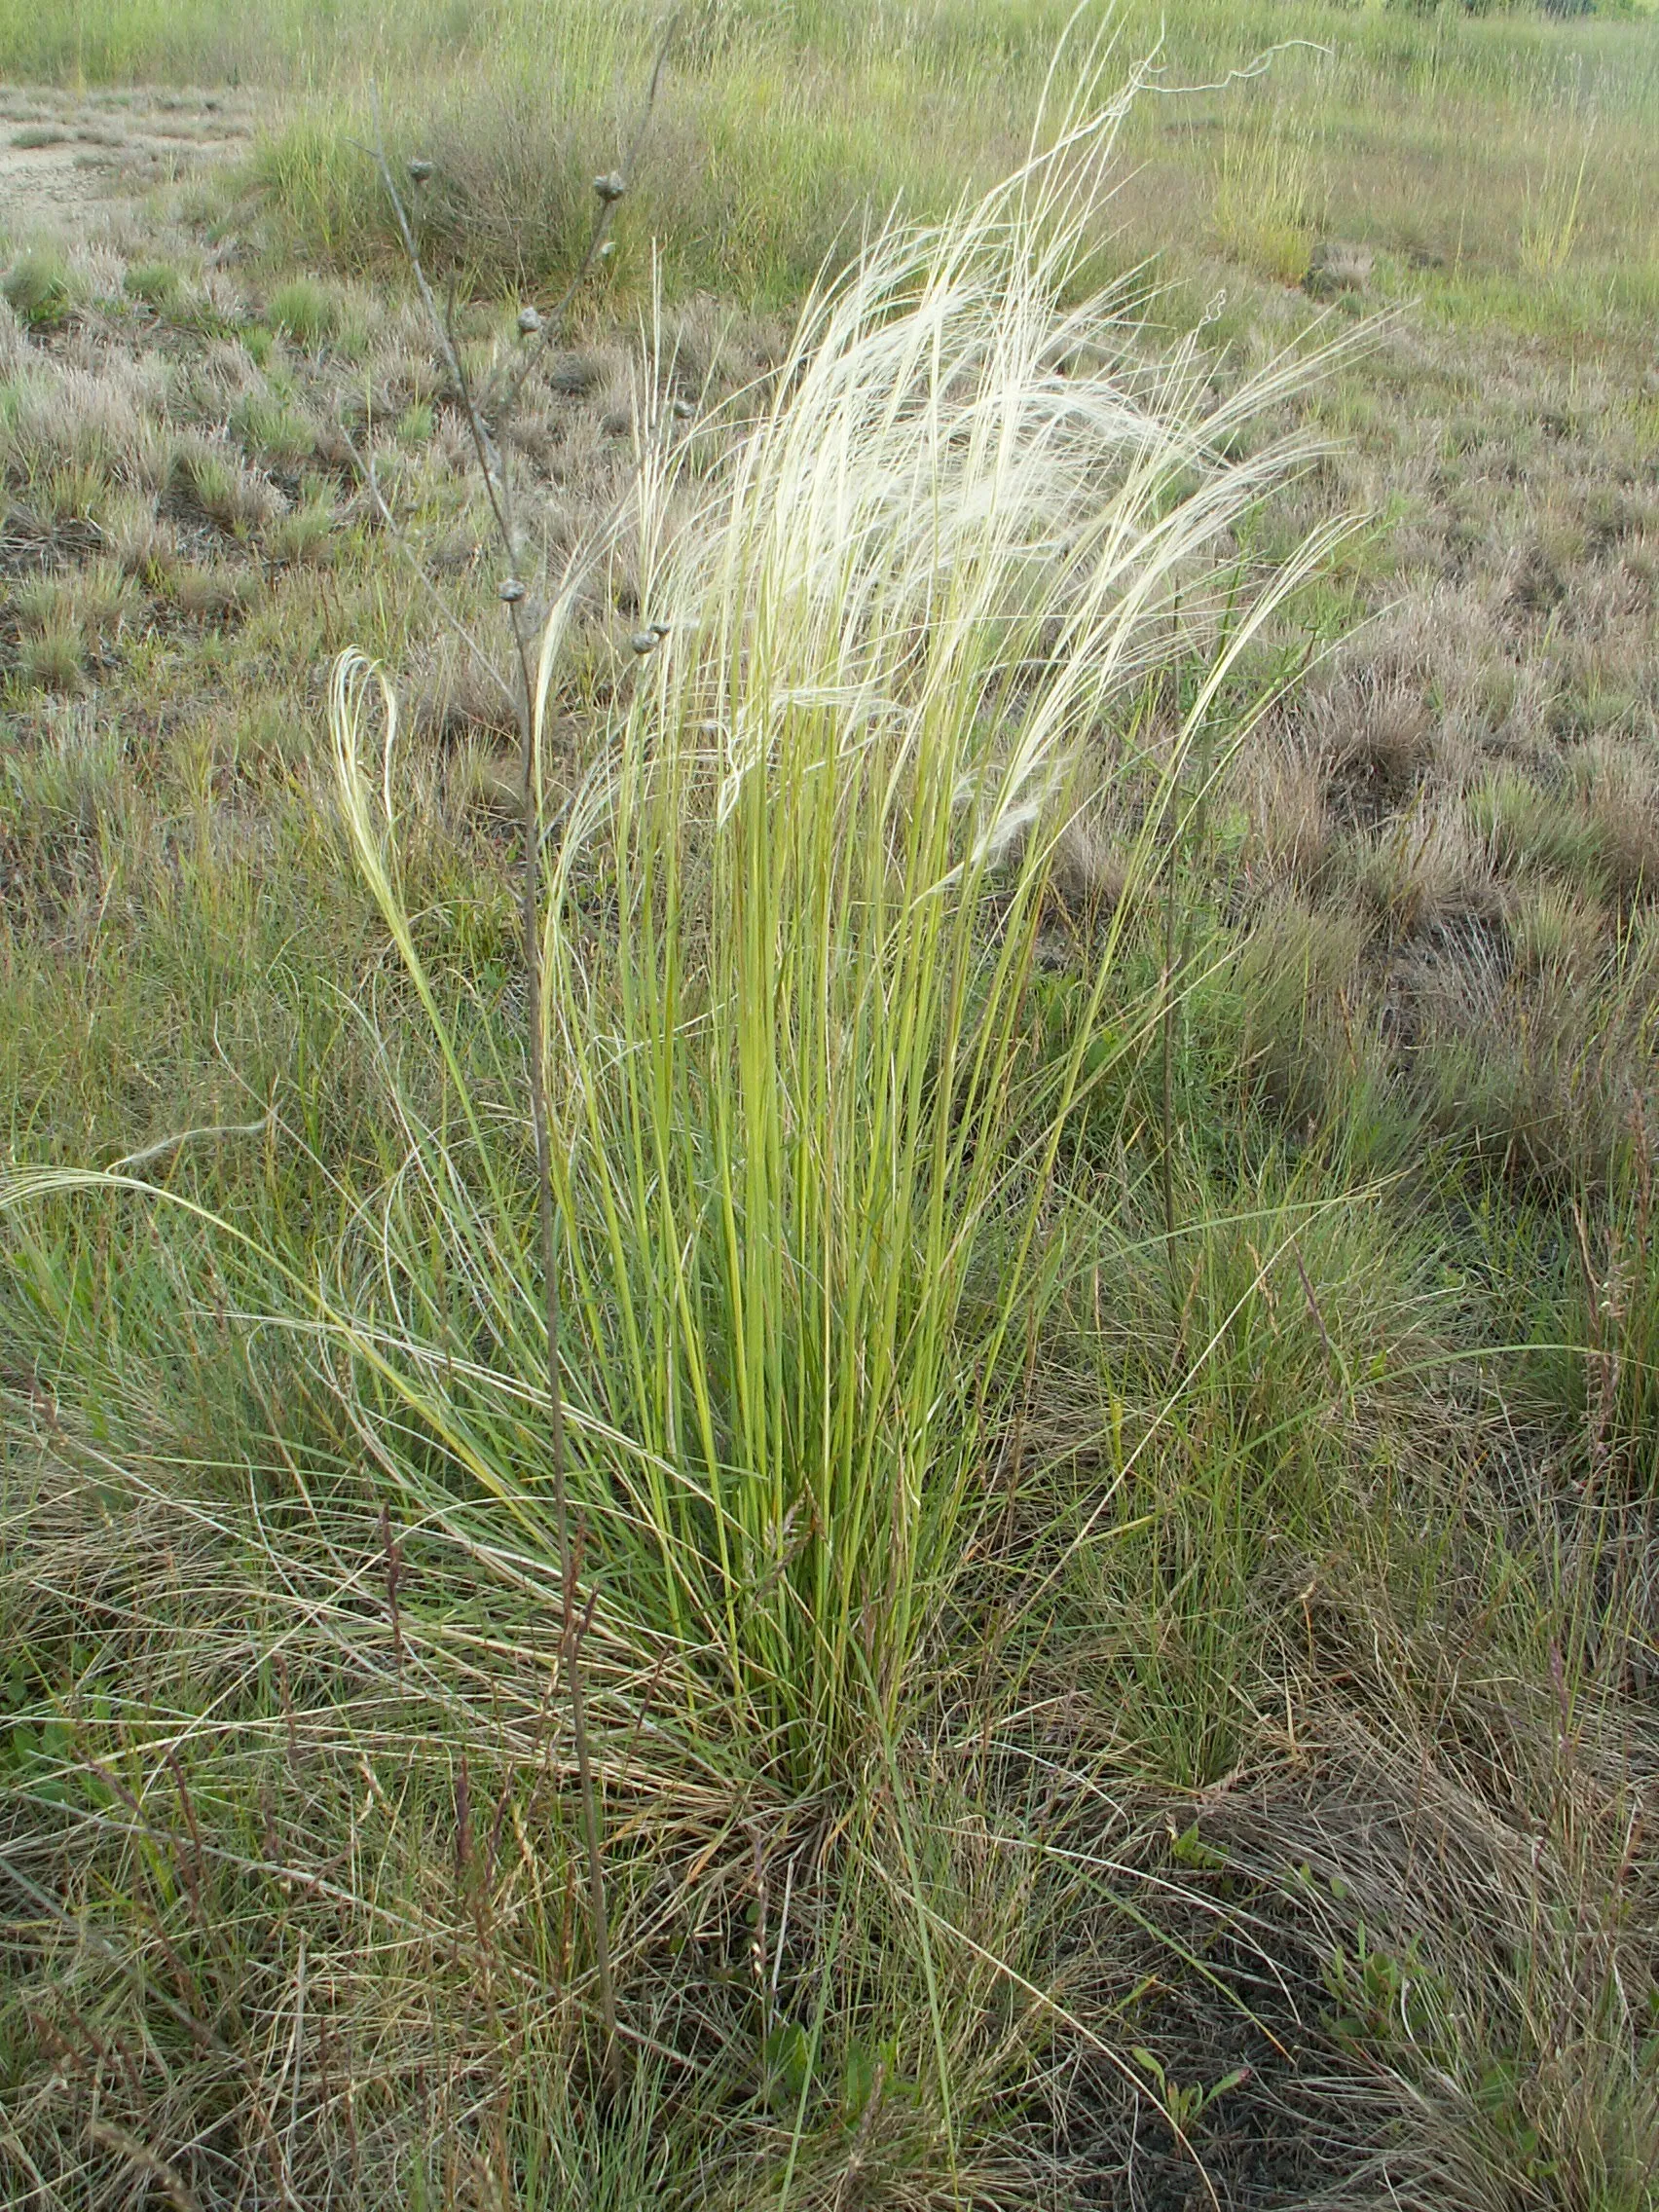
[
  {"x": 804, "y": 1178},
  {"x": 802, "y": 1174},
  {"x": 811, "y": 1180}
]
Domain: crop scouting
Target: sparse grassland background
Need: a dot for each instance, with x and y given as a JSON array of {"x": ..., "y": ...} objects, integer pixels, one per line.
[{"x": 1124, "y": 1655}]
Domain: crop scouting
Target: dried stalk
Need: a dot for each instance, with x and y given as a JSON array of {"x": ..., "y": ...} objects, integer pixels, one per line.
[{"x": 490, "y": 448}]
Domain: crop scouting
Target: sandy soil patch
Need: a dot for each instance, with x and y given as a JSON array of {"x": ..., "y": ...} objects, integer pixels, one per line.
[{"x": 66, "y": 158}]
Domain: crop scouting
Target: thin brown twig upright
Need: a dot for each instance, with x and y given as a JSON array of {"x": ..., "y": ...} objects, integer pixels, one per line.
[{"x": 486, "y": 414}]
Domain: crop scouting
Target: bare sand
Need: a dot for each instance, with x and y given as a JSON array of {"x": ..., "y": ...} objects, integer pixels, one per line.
[{"x": 69, "y": 158}]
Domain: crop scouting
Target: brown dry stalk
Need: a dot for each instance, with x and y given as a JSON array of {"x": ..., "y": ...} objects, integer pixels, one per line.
[{"x": 491, "y": 451}]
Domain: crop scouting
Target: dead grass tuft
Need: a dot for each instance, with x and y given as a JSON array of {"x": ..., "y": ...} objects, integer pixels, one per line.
[
  {"x": 1282, "y": 785},
  {"x": 1616, "y": 784},
  {"x": 1092, "y": 869},
  {"x": 1508, "y": 1065},
  {"x": 455, "y": 697},
  {"x": 134, "y": 533},
  {"x": 212, "y": 594},
  {"x": 77, "y": 418},
  {"x": 1376, "y": 730}
]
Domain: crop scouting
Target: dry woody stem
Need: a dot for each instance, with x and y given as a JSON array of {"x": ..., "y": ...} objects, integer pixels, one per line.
[{"x": 491, "y": 451}]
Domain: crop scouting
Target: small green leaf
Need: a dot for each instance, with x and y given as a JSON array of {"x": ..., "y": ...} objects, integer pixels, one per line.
[
  {"x": 787, "y": 2058},
  {"x": 1150, "y": 2064},
  {"x": 859, "y": 2084},
  {"x": 1190, "y": 1850}
]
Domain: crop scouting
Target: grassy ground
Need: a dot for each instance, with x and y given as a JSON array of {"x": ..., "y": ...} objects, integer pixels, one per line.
[{"x": 1111, "y": 1302}]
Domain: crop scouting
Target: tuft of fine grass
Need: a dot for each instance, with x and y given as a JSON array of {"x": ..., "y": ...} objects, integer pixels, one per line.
[
  {"x": 158, "y": 283},
  {"x": 54, "y": 660},
  {"x": 37, "y": 288},
  {"x": 305, "y": 311}
]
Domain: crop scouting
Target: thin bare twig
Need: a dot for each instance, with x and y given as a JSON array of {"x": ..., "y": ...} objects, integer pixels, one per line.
[
  {"x": 364, "y": 464},
  {"x": 490, "y": 448},
  {"x": 553, "y": 323}
]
